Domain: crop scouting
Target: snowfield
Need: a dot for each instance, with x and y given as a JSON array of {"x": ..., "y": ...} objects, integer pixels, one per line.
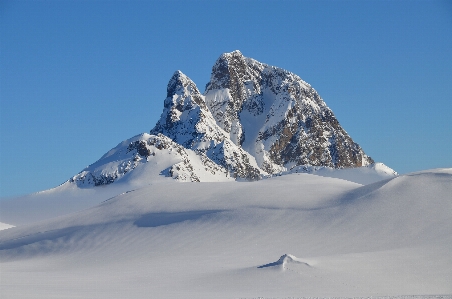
[{"x": 295, "y": 235}]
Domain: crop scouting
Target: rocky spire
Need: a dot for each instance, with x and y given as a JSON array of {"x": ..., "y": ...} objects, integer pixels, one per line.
[
  {"x": 184, "y": 110},
  {"x": 187, "y": 121}
]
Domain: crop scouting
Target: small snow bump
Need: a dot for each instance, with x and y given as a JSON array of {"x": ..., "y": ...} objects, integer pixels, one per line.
[{"x": 283, "y": 262}]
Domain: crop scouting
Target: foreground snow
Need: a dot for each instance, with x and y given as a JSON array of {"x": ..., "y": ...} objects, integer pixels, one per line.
[
  {"x": 298, "y": 235},
  {"x": 70, "y": 196}
]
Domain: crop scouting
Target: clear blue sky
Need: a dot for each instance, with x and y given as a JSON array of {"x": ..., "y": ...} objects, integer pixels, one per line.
[{"x": 78, "y": 77}]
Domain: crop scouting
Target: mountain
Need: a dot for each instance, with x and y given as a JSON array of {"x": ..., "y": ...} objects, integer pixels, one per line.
[
  {"x": 253, "y": 121},
  {"x": 277, "y": 117},
  {"x": 301, "y": 210}
]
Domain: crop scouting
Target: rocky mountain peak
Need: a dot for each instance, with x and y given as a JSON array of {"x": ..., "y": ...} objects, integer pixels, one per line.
[
  {"x": 188, "y": 121},
  {"x": 277, "y": 117},
  {"x": 234, "y": 72},
  {"x": 184, "y": 109},
  {"x": 229, "y": 68},
  {"x": 254, "y": 120},
  {"x": 269, "y": 112},
  {"x": 184, "y": 89}
]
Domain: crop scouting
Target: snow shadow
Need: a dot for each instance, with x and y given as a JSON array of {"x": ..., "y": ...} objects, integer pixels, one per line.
[
  {"x": 50, "y": 235},
  {"x": 360, "y": 192},
  {"x": 167, "y": 218},
  {"x": 274, "y": 264}
]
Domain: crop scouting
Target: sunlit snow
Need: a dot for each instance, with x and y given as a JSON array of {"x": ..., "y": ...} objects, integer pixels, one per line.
[{"x": 298, "y": 235}]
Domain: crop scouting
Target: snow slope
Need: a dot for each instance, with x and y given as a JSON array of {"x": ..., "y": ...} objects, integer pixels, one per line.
[
  {"x": 298, "y": 235},
  {"x": 79, "y": 193},
  {"x": 362, "y": 175}
]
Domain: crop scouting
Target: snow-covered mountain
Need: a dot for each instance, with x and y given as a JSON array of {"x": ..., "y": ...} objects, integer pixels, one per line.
[
  {"x": 155, "y": 155},
  {"x": 252, "y": 122},
  {"x": 324, "y": 220}
]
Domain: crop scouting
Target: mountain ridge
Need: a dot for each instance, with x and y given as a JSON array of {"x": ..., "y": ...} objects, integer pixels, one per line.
[{"x": 253, "y": 121}]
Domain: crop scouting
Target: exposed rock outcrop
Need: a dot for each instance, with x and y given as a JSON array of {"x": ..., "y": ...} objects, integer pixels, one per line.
[
  {"x": 277, "y": 117},
  {"x": 187, "y": 120}
]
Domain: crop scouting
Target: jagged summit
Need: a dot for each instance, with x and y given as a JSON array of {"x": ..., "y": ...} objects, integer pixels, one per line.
[
  {"x": 184, "y": 109},
  {"x": 188, "y": 121},
  {"x": 230, "y": 71},
  {"x": 277, "y": 117},
  {"x": 182, "y": 85},
  {"x": 253, "y": 120}
]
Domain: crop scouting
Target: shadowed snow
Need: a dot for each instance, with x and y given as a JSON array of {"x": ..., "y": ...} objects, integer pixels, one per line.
[{"x": 218, "y": 240}]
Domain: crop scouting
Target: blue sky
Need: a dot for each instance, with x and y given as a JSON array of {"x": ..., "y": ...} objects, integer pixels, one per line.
[{"x": 78, "y": 77}]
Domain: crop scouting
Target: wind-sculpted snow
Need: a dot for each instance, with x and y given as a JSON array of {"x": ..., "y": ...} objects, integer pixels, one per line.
[
  {"x": 362, "y": 175},
  {"x": 223, "y": 240},
  {"x": 285, "y": 262}
]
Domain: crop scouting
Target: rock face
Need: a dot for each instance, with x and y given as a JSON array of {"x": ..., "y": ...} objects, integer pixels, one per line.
[
  {"x": 253, "y": 121},
  {"x": 277, "y": 117},
  {"x": 187, "y": 120}
]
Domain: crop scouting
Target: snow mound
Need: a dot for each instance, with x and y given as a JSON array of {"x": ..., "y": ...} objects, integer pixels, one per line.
[
  {"x": 362, "y": 175},
  {"x": 284, "y": 261}
]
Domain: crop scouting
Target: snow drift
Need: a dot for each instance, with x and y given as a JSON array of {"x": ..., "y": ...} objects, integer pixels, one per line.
[{"x": 202, "y": 240}]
